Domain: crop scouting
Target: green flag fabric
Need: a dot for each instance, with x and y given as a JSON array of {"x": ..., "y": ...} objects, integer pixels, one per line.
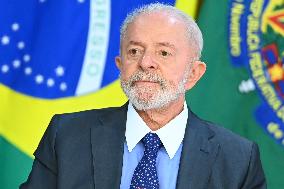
[{"x": 242, "y": 87}]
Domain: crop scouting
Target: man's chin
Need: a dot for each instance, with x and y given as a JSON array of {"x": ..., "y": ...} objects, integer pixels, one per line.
[
  {"x": 142, "y": 105},
  {"x": 148, "y": 103},
  {"x": 146, "y": 97},
  {"x": 144, "y": 102}
]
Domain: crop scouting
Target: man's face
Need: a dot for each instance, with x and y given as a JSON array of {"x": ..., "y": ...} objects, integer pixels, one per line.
[{"x": 155, "y": 55}]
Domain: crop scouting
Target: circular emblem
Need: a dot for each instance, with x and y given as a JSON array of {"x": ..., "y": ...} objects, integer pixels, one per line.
[{"x": 256, "y": 41}]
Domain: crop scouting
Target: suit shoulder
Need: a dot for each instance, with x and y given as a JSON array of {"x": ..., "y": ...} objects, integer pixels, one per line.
[
  {"x": 84, "y": 116},
  {"x": 232, "y": 147},
  {"x": 78, "y": 122},
  {"x": 226, "y": 138},
  {"x": 86, "y": 113}
]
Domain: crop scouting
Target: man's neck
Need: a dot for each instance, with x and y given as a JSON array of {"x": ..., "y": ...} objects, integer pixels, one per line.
[{"x": 157, "y": 118}]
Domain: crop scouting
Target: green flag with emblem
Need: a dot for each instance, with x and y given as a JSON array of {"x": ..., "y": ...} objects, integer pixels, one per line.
[{"x": 243, "y": 86}]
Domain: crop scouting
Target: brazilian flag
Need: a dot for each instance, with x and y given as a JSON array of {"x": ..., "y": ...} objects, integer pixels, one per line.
[
  {"x": 55, "y": 56},
  {"x": 244, "y": 84}
]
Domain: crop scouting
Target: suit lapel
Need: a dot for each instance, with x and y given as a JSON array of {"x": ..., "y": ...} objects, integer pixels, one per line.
[
  {"x": 107, "y": 140},
  {"x": 198, "y": 155}
]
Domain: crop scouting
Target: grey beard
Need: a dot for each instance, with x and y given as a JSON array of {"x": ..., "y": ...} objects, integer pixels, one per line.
[{"x": 160, "y": 99}]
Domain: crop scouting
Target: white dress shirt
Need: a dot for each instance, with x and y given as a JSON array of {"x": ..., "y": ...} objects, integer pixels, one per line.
[{"x": 168, "y": 158}]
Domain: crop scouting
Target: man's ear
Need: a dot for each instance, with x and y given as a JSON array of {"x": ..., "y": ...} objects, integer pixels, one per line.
[
  {"x": 195, "y": 73},
  {"x": 118, "y": 62}
]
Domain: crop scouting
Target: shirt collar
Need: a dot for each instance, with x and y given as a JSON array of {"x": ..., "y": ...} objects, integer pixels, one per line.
[{"x": 171, "y": 134}]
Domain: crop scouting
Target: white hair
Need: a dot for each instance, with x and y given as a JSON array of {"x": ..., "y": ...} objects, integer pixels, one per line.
[{"x": 192, "y": 30}]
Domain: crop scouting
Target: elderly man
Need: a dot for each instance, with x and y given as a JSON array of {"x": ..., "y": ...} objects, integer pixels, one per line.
[{"x": 154, "y": 141}]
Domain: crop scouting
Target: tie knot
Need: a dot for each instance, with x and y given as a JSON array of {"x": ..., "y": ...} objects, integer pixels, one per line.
[{"x": 152, "y": 142}]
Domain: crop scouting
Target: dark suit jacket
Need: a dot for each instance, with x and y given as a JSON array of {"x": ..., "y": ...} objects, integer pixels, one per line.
[{"x": 84, "y": 150}]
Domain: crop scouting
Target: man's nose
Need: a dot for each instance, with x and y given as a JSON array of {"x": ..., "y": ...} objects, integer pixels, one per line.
[{"x": 148, "y": 62}]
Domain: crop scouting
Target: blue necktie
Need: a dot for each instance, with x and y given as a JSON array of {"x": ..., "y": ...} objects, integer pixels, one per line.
[{"x": 145, "y": 174}]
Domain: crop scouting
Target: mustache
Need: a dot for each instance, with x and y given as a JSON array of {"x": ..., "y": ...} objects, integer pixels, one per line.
[{"x": 147, "y": 76}]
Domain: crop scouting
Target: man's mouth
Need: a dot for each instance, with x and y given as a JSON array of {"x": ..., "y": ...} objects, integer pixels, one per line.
[{"x": 145, "y": 82}]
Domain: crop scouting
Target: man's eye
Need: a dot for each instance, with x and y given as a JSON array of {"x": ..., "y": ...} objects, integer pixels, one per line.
[
  {"x": 133, "y": 52},
  {"x": 165, "y": 53}
]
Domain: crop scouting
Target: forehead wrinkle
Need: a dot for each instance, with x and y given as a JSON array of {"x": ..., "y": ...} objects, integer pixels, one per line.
[
  {"x": 138, "y": 43},
  {"x": 166, "y": 44}
]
